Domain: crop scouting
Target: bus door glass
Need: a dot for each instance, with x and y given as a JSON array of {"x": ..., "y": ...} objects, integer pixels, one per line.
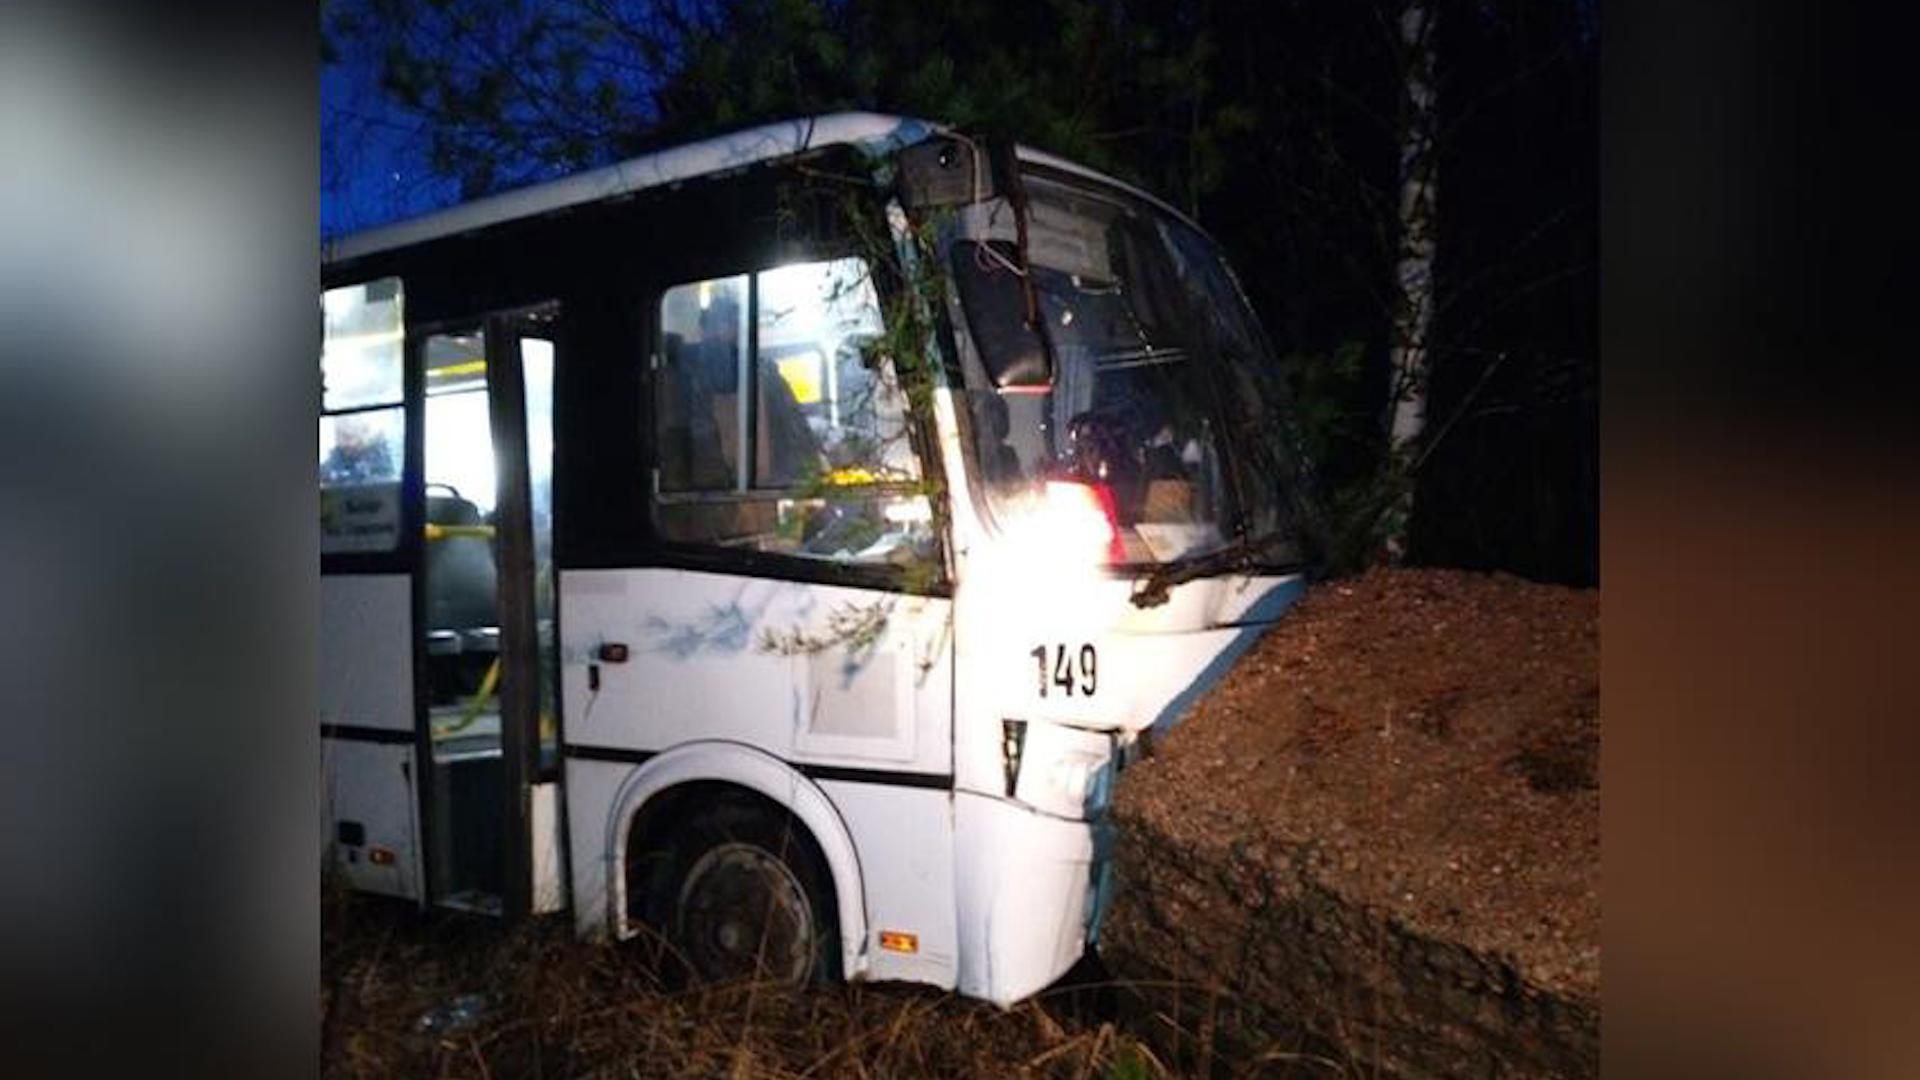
[{"x": 487, "y": 591}]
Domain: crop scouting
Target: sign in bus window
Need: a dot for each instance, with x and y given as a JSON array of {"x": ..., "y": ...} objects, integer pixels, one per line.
[{"x": 360, "y": 457}]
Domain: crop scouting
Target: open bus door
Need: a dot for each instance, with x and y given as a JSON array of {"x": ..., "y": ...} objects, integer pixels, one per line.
[
  {"x": 488, "y": 712},
  {"x": 438, "y": 704}
]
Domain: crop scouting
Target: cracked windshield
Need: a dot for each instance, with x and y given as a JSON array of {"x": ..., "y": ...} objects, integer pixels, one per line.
[{"x": 1160, "y": 414}]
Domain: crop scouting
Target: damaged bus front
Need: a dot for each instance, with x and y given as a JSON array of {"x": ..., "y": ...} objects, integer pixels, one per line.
[{"x": 1133, "y": 515}]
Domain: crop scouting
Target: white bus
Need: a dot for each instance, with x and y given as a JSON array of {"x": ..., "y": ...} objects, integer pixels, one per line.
[{"x": 780, "y": 541}]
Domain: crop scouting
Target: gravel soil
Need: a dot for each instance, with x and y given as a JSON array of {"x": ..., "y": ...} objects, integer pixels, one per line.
[{"x": 1402, "y": 776}]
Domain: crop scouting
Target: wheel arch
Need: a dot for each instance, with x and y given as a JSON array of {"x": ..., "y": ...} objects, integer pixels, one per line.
[{"x": 736, "y": 765}]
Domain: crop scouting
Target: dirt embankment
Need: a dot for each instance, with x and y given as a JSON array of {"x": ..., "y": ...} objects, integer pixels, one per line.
[{"x": 1381, "y": 832}]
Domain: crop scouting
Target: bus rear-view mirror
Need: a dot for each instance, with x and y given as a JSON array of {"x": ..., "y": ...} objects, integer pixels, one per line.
[
  {"x": 944, "y": 172},
  {"x": 994, "y": 294}
]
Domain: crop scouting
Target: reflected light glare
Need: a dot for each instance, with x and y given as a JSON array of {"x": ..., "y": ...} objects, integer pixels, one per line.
[
  {"x": 911, "y": 511},
  {"x": 792, "y": 299},
  {"x": 337, "y": 342},
  {"x": 1049, "y": 550},
  {"x": 1083, "y": 517},
  {"x": 459, "y": 446}
]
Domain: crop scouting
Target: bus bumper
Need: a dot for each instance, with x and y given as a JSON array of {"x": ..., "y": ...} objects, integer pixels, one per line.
[{"x": 1026, "y": 895}]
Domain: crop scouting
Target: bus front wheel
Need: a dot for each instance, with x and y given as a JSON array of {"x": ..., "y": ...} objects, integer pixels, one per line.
[{"x": 746, "y": 896}]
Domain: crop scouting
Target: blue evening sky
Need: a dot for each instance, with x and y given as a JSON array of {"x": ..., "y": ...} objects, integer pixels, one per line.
[{"x": 373, "y": 159}]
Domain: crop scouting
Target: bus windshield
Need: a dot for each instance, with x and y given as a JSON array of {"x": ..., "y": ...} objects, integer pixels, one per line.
[{"x": 1165, "y": 412}]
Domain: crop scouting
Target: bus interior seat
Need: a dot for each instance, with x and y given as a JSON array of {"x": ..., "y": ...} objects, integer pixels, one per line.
[{"x": 462, "y": 588}]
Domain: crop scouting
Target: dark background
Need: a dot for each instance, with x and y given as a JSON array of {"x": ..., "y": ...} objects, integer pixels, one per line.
[{"x": 1276, "y": 124}]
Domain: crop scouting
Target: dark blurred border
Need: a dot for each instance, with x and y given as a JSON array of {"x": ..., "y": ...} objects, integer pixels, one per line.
[
  {"x": 158, "y": 901},
  {"x": 159, "y": 782},
  {"x": 1759, "y": 522}
]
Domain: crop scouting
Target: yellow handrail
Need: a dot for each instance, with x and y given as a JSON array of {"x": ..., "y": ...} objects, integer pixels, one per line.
[
  {"x": 491, "y": 681},
  {"x": 480, "y": 697},
  {"x": 443, "y": 532},
  {"x": 488, "y": 684}
]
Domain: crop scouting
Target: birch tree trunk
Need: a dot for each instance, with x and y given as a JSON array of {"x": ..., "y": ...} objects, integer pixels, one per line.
[{"x": 1413, "y": 272}]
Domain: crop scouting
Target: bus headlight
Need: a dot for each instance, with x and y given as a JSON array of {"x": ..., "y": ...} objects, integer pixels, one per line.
[{"x": 1063, "y": 770}]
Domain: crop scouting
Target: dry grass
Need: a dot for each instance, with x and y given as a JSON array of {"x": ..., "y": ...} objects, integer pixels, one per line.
[
  {"x": 550, "y": 1006},
  {"x": 556, "y": 1007}
]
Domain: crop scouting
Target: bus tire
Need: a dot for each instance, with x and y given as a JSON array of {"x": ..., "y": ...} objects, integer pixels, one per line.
[{"x": 741, "y": 891}]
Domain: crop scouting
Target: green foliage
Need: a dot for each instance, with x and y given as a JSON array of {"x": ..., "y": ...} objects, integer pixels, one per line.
[
  {"x": 853, "y": 627},
  {"x": 1324, "y": 389},
  {"x": 905, "y": 352},
  {"x": 1128, "y": 1062},
  {"x": 511, "y": 91},
  {"x": 1334, "y": 423}
]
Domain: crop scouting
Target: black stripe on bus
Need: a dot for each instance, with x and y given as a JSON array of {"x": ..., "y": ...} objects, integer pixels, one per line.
[
  {"x": 610, "y": 753},
  {"x": 877, "y": 776},
  {"x": 359, "y": 733},
  {"x": 887, "y": 777}
]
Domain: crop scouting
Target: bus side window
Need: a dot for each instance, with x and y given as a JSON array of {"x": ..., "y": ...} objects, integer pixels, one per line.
[
  {"x": 362, "y": 417},
  {"x": 828, "y": 470}
]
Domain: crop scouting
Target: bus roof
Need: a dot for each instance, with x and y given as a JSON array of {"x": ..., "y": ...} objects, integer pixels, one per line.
[{"x": 876, "y": 131}]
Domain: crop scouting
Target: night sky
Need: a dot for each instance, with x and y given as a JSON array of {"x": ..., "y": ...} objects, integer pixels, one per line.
[{"x": 372, "y": 154}]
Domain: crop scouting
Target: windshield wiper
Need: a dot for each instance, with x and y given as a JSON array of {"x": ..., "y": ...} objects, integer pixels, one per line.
[{"x": 1155, "y": 589}]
